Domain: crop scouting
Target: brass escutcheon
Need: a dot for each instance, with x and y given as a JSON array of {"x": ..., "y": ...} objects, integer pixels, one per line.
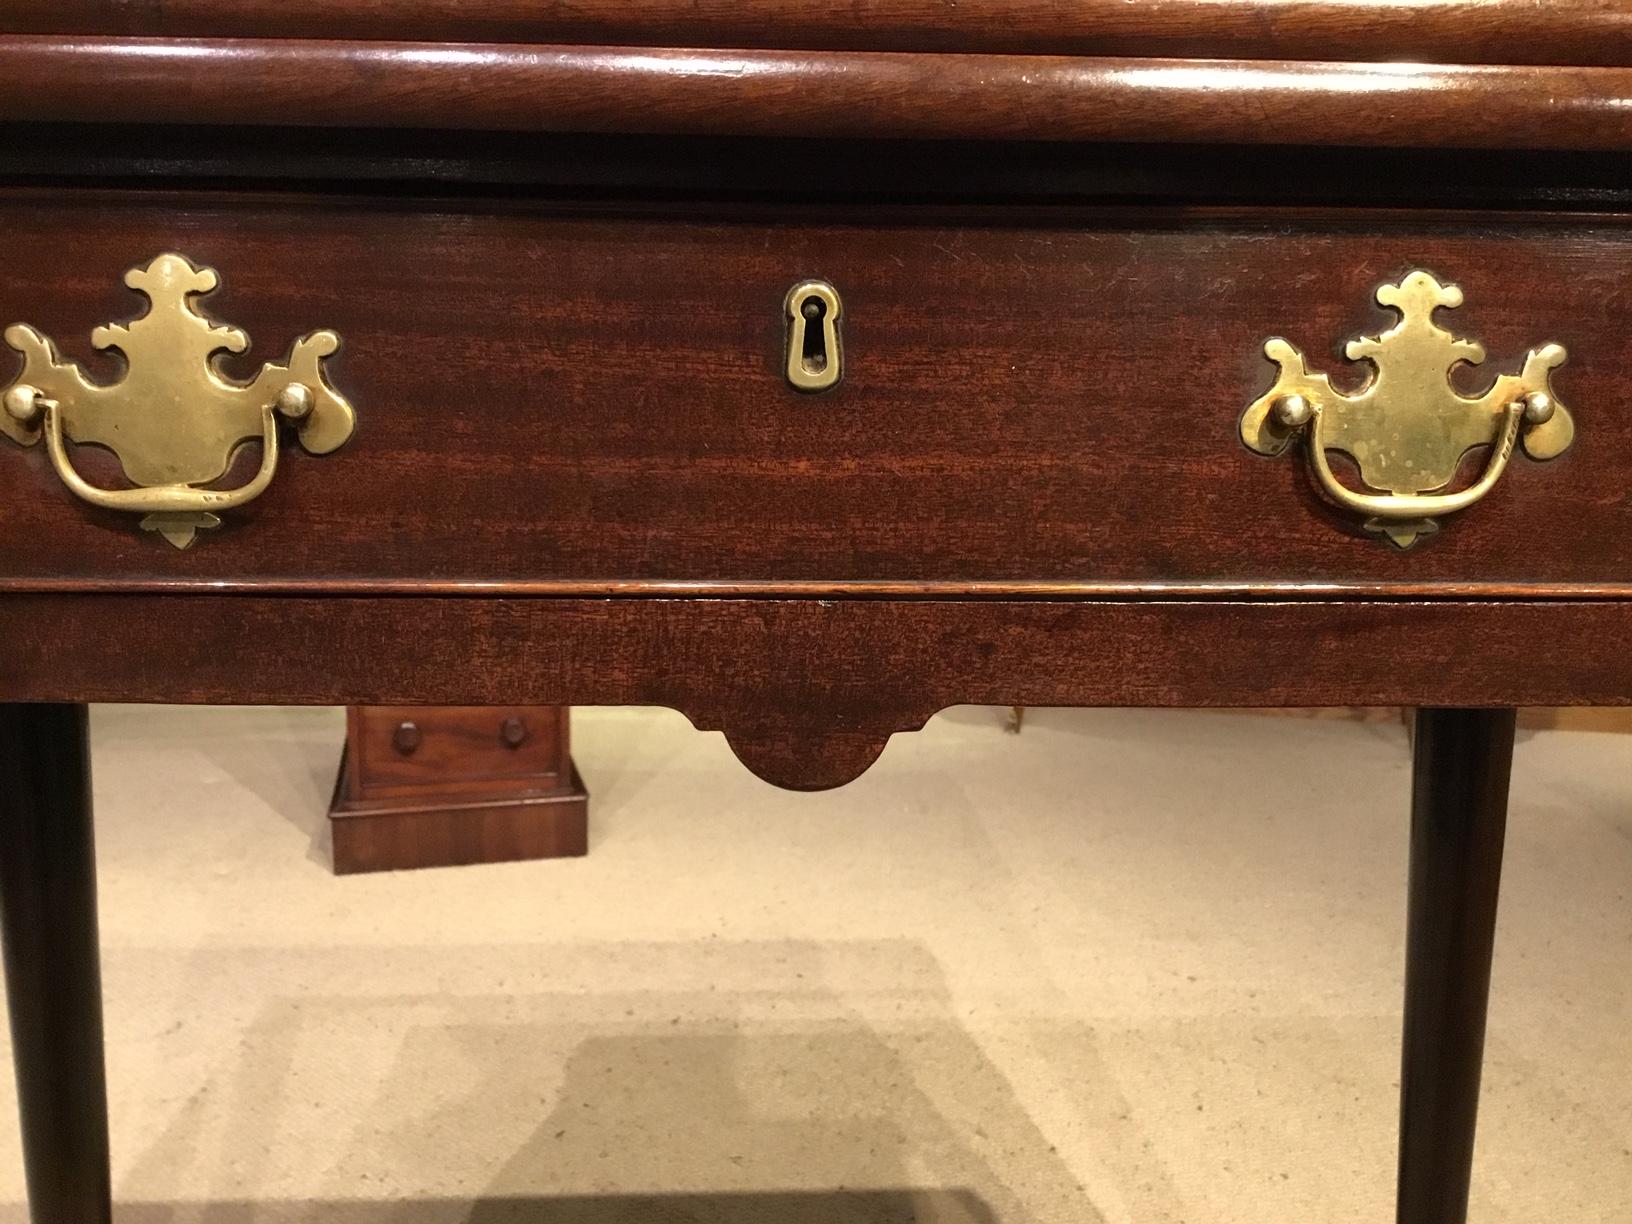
[
  {"x": 172, "y": 421},
  {"x": 1408, "y": 428},
  {"x": 815, "y": 350}
]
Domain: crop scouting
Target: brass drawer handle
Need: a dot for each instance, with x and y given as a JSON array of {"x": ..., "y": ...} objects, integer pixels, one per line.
[
  {"x": 173, "y": 422},
  {"x": 1408, "y": 428}
]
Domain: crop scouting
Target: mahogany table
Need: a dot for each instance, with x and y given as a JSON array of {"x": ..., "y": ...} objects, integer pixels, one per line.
[{"x": 808, "y": 369}]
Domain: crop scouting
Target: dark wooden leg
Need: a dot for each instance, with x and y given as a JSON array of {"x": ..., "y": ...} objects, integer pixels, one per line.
[
  {"x": 53, "y": 978},
  {"x": 1458, "y": 819}
]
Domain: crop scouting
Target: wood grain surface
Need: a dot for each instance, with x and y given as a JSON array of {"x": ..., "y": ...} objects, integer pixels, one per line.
[
  {"x": 808, "y": 691},
  {"x": 559, "y": 401},
  {"x": 456, "y": 750},
  {"x": 568, "y": 410},
  {"x": 442, "y": 786},
  {"x": 834, "y": 94},
  {"x": 1452, "y": 31}
]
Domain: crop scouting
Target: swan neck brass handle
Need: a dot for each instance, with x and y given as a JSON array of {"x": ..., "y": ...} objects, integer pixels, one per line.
[
  {"x": 174, "y": 422},
  {"x": 1391, "y": 506},
  {"x": 178, "y": 504},
  {"x": 1408, "y": 428}
]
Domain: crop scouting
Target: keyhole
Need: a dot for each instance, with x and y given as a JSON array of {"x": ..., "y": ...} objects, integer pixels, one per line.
[{"x": 815, "y": 354}]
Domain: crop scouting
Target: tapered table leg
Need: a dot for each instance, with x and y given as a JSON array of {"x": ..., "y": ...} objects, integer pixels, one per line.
[
  {"x": 1458, "y": 820},
  {"x": 53, "y": 978}
]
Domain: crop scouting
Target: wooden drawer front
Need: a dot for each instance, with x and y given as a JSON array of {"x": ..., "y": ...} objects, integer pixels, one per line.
[
  {"x": 401, "y": 750},
  {"x": 599, "y": 397}
]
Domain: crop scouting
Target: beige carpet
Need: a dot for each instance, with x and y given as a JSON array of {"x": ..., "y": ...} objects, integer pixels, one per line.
[{"x": 1128, "y": 966}]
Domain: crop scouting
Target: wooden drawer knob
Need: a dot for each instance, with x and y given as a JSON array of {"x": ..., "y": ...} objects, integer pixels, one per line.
[
  {"x": 513, "y": 732},
  {"x": 406, "y": 738}
]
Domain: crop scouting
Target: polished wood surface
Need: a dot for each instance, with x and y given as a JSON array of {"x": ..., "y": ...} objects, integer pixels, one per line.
[
  {"x": 444, "y": 786},
  {"x": 808, "y": 692},
  {"x": 53, "y": 970},
  {"x": 399, "y": 751},
  {"x": 1458, "y": 819},
  {"x": 1452, "y": 31},
  {"x": 557, "y": 249},
  {"x": 798, "y": 94},
  {"x": 577, "y": 399}
]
